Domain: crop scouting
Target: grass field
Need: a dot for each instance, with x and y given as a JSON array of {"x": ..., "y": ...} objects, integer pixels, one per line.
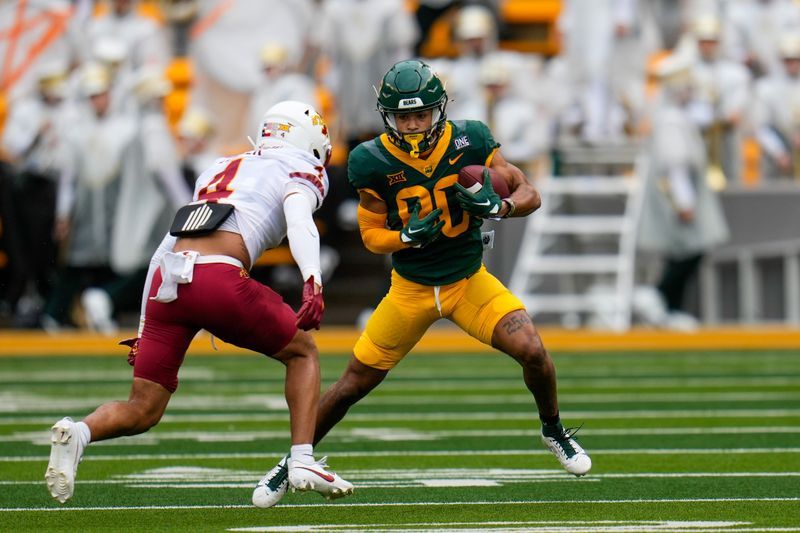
[{"x": 681, "y": 441}]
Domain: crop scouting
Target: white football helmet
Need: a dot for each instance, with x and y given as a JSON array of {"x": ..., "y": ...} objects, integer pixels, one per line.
[{"x": 297, "y": 124}]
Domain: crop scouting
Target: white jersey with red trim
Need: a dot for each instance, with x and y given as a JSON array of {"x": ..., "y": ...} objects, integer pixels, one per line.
[{"x": 256, "y": 183}]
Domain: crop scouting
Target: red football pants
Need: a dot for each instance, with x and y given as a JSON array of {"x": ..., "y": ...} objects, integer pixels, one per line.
[{"x": 223, "y": 300}]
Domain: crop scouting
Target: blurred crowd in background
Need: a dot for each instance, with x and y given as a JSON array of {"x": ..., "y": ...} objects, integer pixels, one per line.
[{"x": 109, "y": 110}]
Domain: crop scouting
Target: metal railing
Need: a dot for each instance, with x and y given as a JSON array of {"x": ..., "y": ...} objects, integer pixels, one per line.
[{"x": 752, "y": 282}]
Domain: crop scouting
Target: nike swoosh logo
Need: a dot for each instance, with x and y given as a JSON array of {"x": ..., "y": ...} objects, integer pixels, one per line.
[
  {"x": 456, "y": 158},
  {"x": 414, "y": 230},
  {"x": 487, "y": 202},
  {"x": 327, "y": 477}
]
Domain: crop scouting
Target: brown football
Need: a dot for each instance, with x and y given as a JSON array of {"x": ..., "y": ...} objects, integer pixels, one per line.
[{"x": 471, "y": 178}]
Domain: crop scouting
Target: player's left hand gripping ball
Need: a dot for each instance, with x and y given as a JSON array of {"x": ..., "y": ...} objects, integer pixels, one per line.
[
  {"x": 484, "y": 203},
  {"x": 310, "y": 314}
]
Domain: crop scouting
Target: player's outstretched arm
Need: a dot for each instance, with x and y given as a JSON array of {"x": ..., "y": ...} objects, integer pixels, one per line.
[
  {"x": 524, "y": 196},
  {"x": 304, "y": 245}
]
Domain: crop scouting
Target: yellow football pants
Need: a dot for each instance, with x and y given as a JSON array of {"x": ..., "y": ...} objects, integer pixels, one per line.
[{"x": 476, "y": 304}]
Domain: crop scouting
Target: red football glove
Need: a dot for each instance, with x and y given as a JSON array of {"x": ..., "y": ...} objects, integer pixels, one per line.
[
  {"x": 133, "y": 344},
  {"x": 310, "y": 313}
]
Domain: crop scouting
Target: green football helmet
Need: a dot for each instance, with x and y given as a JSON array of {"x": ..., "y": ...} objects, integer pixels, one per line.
[{"x": 412, "y": 86}]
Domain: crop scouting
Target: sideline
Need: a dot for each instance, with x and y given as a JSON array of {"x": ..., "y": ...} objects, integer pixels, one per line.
[{"x": 440, "y": 339}]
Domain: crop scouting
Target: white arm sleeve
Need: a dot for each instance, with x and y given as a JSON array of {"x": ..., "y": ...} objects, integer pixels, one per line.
[{"x": 303, "y": 236}]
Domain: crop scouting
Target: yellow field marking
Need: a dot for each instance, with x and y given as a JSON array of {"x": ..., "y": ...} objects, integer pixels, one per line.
[{"x": 335, "y": 340}]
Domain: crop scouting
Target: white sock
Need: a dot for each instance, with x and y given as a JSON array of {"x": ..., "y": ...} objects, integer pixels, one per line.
[
  {"x": 303, "y": 453},
  {"x": 84, "y": 433}
]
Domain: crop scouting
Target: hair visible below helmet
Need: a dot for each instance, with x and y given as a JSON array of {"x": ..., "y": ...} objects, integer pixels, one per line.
[
  {"x": 297, "y": 124},
  {"x": 412, "y": 86}
]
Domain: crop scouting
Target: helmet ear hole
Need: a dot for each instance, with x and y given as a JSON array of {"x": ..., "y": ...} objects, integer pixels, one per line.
[{"x": 316, "y": 154}]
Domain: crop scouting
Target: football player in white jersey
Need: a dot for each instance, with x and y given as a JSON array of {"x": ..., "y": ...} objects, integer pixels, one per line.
[{"x": 198, "y": 279}]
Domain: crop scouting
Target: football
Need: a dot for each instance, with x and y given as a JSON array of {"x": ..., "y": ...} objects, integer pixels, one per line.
[{"x": 471, "y": 178}]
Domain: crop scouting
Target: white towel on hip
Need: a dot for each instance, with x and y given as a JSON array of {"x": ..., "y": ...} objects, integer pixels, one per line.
[{"x": 177, "y": 268}]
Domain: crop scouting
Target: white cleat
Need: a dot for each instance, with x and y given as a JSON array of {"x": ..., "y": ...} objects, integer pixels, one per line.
[
  {"x": 317, "y": 477},
  {"x": 273, "y": 486},
  {"x": 568, "y": 452},
  {"x": 65, "y": 454}
]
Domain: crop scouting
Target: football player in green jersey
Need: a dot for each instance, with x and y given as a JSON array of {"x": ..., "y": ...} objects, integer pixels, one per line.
[{"x": 411, "y": 206}]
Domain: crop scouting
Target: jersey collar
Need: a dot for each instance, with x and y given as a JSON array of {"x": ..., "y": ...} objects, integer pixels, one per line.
[{"x": 423, "y": 166}]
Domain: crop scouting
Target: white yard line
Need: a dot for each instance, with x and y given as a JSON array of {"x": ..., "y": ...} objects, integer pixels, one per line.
[
  {"x": 26, "y": 402},
  {"x": 567, "y": 415},
  {"x": 417, "y": 382},
  {"x": 616, "y": 397},
  {"x": 404, "y": 504},
  {"x": 540, "y": 526},
  {"x": 406, "y": 434},
  {"x": 408, "y": 453},
  {"x": 190, "y": 477}
]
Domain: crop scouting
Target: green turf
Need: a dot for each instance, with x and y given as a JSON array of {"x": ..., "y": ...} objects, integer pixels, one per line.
[{"x": 691, "y": 441}]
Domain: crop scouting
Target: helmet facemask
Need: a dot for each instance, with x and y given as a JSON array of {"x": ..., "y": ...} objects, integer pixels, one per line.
[{"x": 418, "y": 142}]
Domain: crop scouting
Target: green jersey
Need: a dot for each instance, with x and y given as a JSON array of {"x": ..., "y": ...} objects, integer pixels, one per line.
[{"x": 380, "y": 168}]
